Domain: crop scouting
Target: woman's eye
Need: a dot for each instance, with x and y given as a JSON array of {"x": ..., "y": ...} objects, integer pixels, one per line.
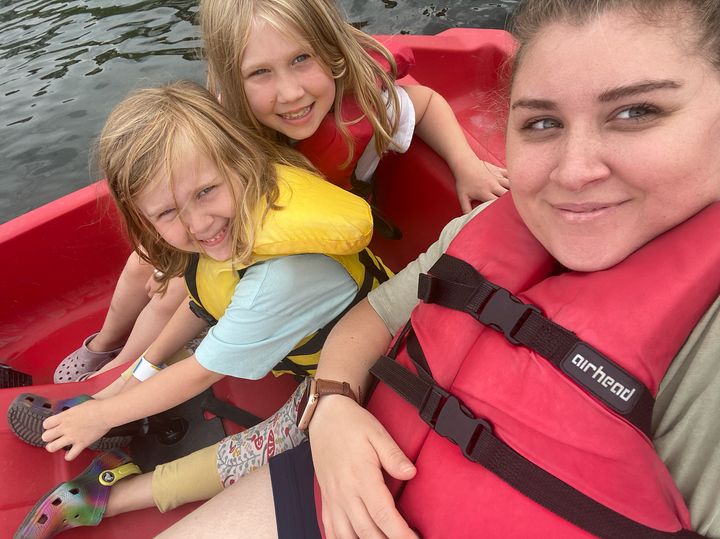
[
  {"x": 636, "y": 112},
  {"x": 165, "y": 213},
  {"x": 542, "y": 124},
  {"x": 258, "y": 72},
  {"x": 301, "y": 58}
]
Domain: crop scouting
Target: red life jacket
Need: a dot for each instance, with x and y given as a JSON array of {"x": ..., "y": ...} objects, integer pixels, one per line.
[
  {"x": 638, "y": 313},
  {"x": 326, "y": 148}
]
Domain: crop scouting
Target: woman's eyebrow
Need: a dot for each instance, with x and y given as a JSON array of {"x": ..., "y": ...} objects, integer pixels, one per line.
[
  {"x": 635, "y": 89},
  {"x": 540, "y": 104}
]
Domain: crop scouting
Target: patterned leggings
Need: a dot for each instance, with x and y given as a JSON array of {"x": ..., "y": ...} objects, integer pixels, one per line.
[
  {"x": 203, "y": 474},
  {"x": 241, "y": 453}
]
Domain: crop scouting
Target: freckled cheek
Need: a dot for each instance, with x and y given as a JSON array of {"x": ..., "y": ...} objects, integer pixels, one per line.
[{"x": 528, "y": 176}]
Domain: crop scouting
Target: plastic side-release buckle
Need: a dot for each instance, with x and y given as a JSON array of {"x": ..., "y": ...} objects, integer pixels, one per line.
[
  {"x": 504, "y": 313},
  {"x": 451, "y": 419}
]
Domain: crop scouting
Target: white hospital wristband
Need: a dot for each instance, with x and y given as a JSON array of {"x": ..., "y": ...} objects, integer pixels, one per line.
[{"x": 144, "y": 369}]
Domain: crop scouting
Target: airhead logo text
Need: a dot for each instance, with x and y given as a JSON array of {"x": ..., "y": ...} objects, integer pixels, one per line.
[{"x": 602, "y": 377}]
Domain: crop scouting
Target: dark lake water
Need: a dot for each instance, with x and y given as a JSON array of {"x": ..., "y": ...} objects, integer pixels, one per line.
[{"x": 64, "y": 64}]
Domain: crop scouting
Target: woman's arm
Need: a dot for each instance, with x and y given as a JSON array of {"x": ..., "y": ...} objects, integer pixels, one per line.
[
  {"x": 437, "y": 126},
  {"x": 350, "y": 447},
  {"x": 81, "y": 425}
]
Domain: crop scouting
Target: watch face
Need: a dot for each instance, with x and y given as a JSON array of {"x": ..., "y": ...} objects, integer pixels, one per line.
[{"x": 307, "y": 405}]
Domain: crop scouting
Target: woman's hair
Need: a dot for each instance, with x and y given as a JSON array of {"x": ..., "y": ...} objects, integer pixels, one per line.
[
  {"x": 701, "y": 16},
  {"x": 344, "y": 51},
  {"x": 145, "y": 138}
]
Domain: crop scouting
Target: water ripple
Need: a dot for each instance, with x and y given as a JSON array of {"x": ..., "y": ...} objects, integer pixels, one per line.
[{"x": 64, "y": 64}]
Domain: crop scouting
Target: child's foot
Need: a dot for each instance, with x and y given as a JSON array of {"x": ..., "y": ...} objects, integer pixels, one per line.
[
  {"x": 82, "y": 361},
  {"x": 78, "y": 502}
]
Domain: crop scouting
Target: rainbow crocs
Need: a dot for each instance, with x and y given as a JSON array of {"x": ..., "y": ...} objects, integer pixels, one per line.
[{"x": 78, "y": 502}]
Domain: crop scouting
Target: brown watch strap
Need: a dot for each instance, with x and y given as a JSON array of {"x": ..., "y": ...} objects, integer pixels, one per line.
[{"x": 332, "y": 387}]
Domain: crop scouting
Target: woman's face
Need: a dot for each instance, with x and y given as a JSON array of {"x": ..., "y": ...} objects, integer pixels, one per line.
[{"x": 613, "y": 137}]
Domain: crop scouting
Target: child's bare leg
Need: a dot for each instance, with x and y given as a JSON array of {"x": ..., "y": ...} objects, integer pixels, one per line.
[
  {"x": 130, "y": 494},
  {"x": 247, "y": 505},
  {"x": 150, "y": 322},
  {"x": 129, "y": 299}
]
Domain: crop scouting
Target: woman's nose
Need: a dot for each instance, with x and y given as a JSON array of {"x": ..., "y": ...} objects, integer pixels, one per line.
[{"x": 580, "y": 161}]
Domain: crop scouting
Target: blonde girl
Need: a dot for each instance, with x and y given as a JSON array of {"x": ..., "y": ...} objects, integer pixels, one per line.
[
  {"x": 205, "y": 197},
  {"x": 283, "y": 66}
]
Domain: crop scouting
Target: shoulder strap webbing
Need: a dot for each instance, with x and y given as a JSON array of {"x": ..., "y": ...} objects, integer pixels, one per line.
[
  {"x": 455, "y": 284},
  {"x": 196, "y": 306},
  {"x": 447, "y": 416},
  {"x": 373, "y": 271}
]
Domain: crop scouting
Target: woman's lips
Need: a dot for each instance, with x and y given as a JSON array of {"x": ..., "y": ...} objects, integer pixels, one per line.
[{"x": 585, "y": 211}]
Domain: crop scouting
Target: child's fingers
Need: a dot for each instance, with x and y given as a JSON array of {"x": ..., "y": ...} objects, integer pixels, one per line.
[
  {"x": 465, "y": 203},
  {"x": 74, "y": 451},
  {"x": 51, "y": 434},
  {"x": 499, "y": 190},
  {"x": 57, "y": 444},
  {"x": 51, "y": 422}
]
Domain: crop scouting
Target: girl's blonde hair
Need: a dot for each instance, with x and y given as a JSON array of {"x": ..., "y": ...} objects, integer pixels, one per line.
[
  {"x": 148, "y": 134},
  {"x": 344, "y": 50}
]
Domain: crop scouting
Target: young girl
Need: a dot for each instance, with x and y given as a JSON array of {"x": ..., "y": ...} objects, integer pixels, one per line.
[
  {"x": 208, "y": 199},
  {"x": 297, "y": 72}
]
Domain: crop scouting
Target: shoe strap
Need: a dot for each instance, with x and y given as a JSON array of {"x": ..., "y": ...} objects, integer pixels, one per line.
[{"x": 112, "y": 476}]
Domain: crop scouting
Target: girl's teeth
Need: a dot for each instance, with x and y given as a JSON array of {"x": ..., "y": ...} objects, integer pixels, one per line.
[
  {"x": 214, "y": 238},
  {"x": 296, "y": 115}
]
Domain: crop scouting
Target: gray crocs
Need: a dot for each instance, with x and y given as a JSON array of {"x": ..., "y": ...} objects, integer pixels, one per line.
[{"x": 82, "y": 361}]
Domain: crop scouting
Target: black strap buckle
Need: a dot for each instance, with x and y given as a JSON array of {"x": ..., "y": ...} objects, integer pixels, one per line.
[
  {"x": 451, "y": 419},
  {"x": 504, "y": 313}
]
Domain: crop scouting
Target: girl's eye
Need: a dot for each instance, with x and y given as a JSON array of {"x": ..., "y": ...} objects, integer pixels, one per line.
[
  {"x": 636, "y": 112},
  {"x": 206, "y": 191},
  {"x": 258, "y": 72},
  {"x": 542, "y": 124},
  {"x": 301, "y": 58},
  {"x": 165, "y": 213}
]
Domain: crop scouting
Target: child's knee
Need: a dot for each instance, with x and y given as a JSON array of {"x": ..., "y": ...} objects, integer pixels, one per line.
[
  {"x": 136, "y": 269},
  {"x": 166, "y": 304}
]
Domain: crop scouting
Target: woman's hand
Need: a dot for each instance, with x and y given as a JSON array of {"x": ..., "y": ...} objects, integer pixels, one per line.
[
  {"x": 350, "y": 450},
  {"x": 77, "y": 427},
  {"x": 478, "y": 180}
]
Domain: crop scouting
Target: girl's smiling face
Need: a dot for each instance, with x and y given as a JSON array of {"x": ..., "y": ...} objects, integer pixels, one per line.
[
  {"x": 613, "y": 137},
  {"x": 195, "y": 211},
  {"x": 287, "y": 86}
]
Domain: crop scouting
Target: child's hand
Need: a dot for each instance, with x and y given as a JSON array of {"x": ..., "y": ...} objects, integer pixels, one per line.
[
  {"x": 77, "y": 427},
  {"x": 478, "y": 180}
]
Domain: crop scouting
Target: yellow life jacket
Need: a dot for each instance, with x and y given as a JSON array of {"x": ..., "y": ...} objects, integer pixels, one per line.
[{"x": 314, "y": 216}]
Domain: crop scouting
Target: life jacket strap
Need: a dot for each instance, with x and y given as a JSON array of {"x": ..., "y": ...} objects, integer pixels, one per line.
[
  {"x": 448, "y": 417},
  {"x": 373, "y": 272},
  {"x": 455, "y": 284}
]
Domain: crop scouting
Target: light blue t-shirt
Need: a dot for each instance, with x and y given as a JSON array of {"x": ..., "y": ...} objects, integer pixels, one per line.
[{"x": 275, "y": 305}]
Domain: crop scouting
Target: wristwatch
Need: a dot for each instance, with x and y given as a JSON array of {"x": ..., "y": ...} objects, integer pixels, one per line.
[{"x": 317, "y": 388}]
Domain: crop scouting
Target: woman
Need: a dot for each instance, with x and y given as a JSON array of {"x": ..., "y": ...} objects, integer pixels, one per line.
[{"x": 612, "y": 136}]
